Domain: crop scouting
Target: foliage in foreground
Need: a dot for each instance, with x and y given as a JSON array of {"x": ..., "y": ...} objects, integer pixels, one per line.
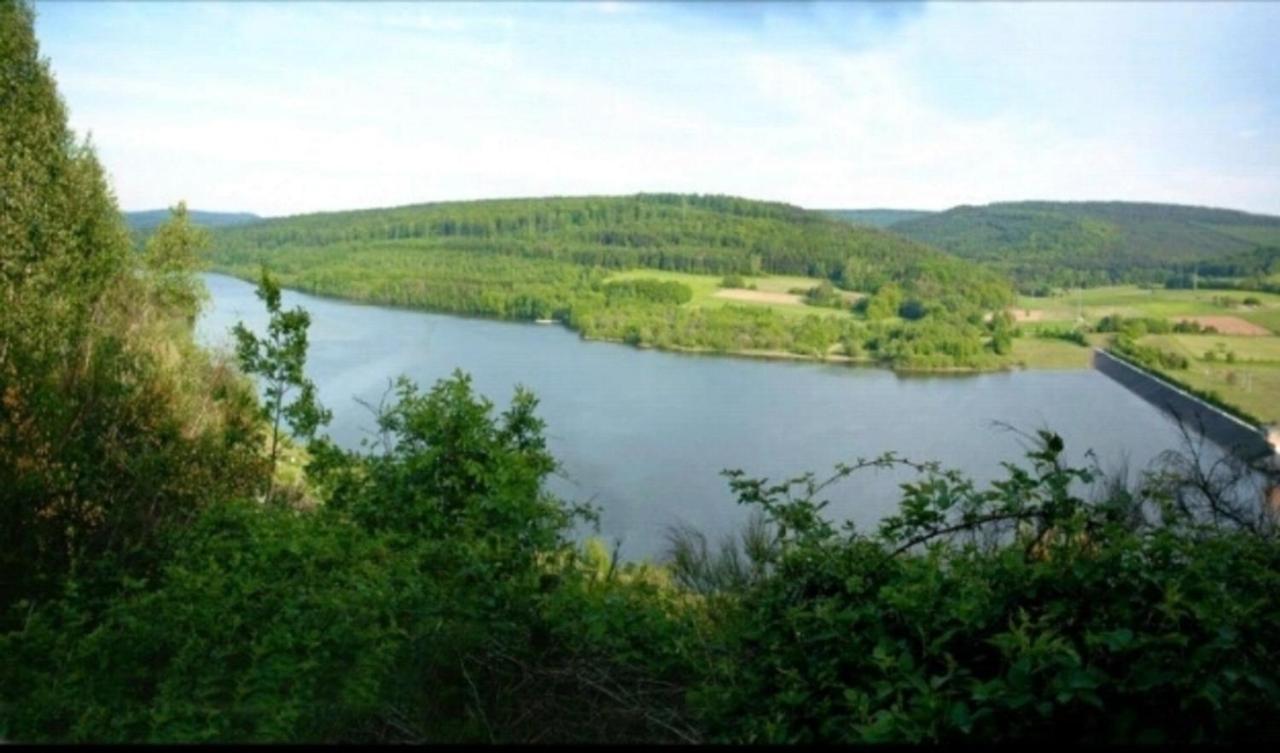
[
  {"x": 436, "y": 596},
  {"x": 113, "y": 425},
  {"x": 1017, "y": 612}
]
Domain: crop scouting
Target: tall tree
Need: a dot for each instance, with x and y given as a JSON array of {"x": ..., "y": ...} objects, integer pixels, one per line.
[
  {"x": 171, "y": 258},
  {"x": 278, "y": 359},
  {"x": 111, "y": 428}
]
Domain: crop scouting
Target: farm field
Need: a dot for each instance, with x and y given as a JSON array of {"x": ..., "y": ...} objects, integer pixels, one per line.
[
  {"x": 1267, "y": 317},
  {"x": 707, "y": 292},
  {"x": 1252, "y": 387},
  {"x": 1043, "y": 353},
  {"x": 1244, "y": 349},
  {"x": 1250, "y": 380},
  {"x": 1134, "y": 301}
]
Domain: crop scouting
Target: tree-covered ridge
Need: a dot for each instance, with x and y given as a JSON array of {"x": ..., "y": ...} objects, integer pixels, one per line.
[
  {"x": 1042, "y": 243},
  {"x": 689, "y": 233},
  {"x": 551, "y": 258},
  {"x": 147, "y": 220},
  {"x": 143, "y": 223}
]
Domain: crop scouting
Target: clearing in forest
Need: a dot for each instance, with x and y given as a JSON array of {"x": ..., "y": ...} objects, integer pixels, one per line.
[{"x": 758, "y": 296}]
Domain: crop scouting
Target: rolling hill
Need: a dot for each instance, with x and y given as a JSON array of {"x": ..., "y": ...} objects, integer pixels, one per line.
[
  {"x": 1041, "y": 243},
  {"x": 685, "y": 233},
  {"x": 558, "y": 258}
]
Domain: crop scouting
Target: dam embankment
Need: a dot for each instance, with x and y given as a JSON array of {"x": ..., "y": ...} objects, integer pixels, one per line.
[{"x": 1245, "y": 440}]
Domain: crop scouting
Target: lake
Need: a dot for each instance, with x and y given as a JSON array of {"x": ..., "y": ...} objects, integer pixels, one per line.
[{"x": 644, "y": 434}]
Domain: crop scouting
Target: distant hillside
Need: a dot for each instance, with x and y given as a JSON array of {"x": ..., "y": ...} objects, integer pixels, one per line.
[
  {"x": 1068, "y": 243},
  {"x": 876, "y": 217},
  {"x": 558, "y": 258},
  {"x": 686, "y": 233},
  {"x": 146, "y": 220}
]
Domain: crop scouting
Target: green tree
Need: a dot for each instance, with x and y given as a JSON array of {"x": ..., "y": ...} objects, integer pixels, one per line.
[
  {"x": 885, "y": 302},
  {"x": 171, "y": 257},
  {"x": 278, "y": 359},
  {"x": 113, "y": 428},
  {"x": 912, "y": 309},
  {"x": 1002, "y": 332}
]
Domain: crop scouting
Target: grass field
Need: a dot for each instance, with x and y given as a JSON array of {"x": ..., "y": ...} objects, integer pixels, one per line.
[
  {"x": 1251, "y": 382},
  {"x": 1130, "y": 300},
  {"x": 1267, "y": 317},
  {"x": 1263, "y": 350},
  {"x": 1042, "y": 353},
  {"x": 705, "y": 287},
  {"x": 1254, "y": 388}
]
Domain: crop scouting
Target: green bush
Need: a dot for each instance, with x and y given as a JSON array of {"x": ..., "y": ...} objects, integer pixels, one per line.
[
  {"x": 652, "y": 291},
  {"x": 1070, "y": 335},
  {"x": 1018, "y": 612}
]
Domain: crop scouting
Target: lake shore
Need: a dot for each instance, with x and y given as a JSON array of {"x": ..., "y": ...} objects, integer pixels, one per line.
[{"x": 1045, "y": 356}]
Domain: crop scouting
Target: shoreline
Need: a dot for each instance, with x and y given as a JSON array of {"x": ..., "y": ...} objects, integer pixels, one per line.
[{"x": 763, "y": 355}]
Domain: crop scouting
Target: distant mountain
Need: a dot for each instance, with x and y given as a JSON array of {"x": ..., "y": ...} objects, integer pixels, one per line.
[
  {"x": 148, "y": 219},
  {"x": 875, "y": 217},
  {"x": 1042, "y": 243}
]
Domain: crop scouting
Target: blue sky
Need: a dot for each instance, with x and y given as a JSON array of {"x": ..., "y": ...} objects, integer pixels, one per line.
[{"x": 282, "y": 108}]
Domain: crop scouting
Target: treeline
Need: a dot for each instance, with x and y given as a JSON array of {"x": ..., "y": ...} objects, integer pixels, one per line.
[
  {"x": 1045, "y": 245},
  {"x": 1258, "y": 270}
]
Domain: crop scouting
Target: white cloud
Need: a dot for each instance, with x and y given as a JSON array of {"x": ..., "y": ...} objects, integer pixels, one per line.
[{"x": 290, "y": 112}]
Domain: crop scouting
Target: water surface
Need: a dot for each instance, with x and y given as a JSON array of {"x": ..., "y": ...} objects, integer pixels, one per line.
[{"x": 644, "y": 434}]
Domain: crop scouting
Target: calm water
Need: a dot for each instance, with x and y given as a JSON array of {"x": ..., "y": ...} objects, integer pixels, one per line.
[{"x": 644, "y": 434}]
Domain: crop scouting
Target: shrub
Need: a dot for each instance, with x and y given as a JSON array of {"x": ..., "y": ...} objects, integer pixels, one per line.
[{"x": 1017, "y": 612}]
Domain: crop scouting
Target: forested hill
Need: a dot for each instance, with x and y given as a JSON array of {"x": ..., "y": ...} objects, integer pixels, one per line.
[
  {"x": 148, "y": 219},
  {"x": 876, "y": 217},
  {"x": 1066, "y": 243},
  {"x": 559, "y": 257},
  {"x": 687, "y": 233}
]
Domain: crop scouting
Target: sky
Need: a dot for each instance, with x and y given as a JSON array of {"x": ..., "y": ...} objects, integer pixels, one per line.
[{"x": 284, "y": 108}]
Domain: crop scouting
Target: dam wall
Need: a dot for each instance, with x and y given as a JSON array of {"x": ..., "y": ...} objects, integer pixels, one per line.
[{"x": 1245, "y": 440}]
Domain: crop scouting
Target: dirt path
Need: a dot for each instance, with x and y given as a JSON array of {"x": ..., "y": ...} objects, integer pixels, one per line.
[
  {"x": 758, "y": 296},
  {"x": 1027, "y": 315}
]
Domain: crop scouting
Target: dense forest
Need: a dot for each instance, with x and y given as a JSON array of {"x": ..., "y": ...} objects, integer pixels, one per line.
[
  {"x": 1064, "y": 244},
  {"x": 550, "y": 258},
  {"x": 162, "y": 579}
]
